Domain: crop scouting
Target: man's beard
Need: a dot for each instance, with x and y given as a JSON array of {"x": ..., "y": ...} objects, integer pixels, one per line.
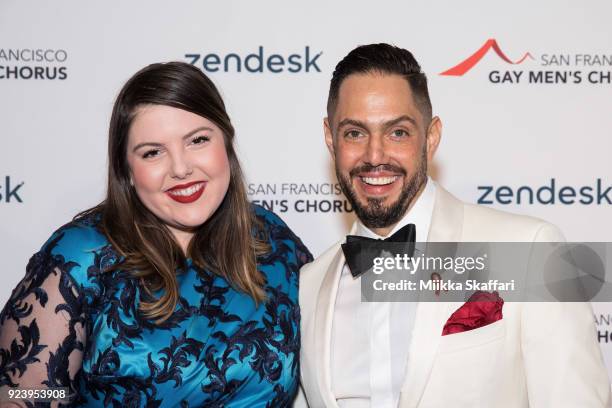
[{"x": 375, "y": 214}]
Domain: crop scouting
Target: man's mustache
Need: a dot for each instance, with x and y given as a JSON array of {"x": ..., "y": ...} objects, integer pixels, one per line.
[{"x": 367, "y": 168}]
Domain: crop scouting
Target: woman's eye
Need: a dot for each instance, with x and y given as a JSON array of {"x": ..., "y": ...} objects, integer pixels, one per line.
[
  {"x": 200, "y": 139},
  {"x": 150, "y": 153}
]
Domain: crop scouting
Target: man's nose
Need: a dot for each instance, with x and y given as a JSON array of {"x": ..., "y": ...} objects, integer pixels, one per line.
[{"x": 375, "y": 153}]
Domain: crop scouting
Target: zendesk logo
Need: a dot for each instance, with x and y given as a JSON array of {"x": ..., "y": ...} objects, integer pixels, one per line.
[
  {"x": 258, "y": 62},
  {"x": 10, "y": 191},
  {"x": 552, "y": 193}
]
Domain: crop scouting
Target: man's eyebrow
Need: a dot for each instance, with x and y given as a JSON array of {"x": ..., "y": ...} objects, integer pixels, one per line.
[
  {"x": 352, "y": 122},
  {"x": 191, "y": 133},
  {"x": 398, "y": 120},
  {"x": 386, "y": 125}
]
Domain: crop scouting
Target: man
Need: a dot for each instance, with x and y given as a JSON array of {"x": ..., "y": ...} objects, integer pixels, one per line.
[{"x": 381, "y": 134}]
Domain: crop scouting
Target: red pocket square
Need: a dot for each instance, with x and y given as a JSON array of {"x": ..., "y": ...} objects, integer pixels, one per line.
[{"x": 481, "y": 309}]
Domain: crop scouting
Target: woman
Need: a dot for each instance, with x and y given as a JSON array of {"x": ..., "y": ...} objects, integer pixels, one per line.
[{"x": 174, "y": 291}]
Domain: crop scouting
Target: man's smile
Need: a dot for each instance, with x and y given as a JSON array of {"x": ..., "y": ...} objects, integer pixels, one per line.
[{"x": 378, "y": 183}]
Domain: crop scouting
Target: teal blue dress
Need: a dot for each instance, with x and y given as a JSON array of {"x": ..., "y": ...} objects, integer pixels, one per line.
[{"x": 68, "y": 324}]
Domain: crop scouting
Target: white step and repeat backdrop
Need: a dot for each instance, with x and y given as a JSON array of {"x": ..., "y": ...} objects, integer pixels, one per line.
[{"x": 544, "y": 124}]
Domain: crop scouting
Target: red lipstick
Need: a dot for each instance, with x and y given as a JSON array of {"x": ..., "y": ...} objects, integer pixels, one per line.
[{"x": 187, "y": 193}]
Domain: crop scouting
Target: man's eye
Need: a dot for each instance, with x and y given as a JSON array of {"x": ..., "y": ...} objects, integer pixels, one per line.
[
  {"x": 400, "y": 133},
  {"x": 200, "y": 139},
  {"x": 150, "y": 153},
  {"x": 353, "y": 134}
]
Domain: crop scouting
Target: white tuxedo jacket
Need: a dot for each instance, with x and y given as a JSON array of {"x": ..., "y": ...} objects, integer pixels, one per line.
[{"x": 539, "y": 355}]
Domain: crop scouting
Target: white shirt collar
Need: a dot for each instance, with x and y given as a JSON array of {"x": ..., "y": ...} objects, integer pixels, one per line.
[{"x": 420, "y": 215}]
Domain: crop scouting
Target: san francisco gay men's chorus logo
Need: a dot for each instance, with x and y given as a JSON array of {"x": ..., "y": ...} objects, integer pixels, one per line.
[
  {"x": 559, "y": 67},
  {"x": 469, "y": 62}
]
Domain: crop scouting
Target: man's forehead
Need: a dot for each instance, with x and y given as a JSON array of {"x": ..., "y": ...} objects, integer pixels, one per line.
[
  {"x": 369, "y": 81},
  {"x": 375, "y": 98}
]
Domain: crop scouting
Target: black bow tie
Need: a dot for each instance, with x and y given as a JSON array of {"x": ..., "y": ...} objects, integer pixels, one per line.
[{"x": 360, "y": 252}]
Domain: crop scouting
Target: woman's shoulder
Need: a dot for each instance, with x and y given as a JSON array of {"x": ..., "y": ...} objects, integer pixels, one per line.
[
  {"x": 267, "y": 217},
  {"x": 78, "y": 248},
  {"x": 77, "y": 239},
  {"x": 272, "y": 226},
  {"x": 282, "y": 240}
]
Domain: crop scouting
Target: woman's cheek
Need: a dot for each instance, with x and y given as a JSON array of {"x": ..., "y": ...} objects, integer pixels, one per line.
[
  {"x": 214, "y": 162},
  {"x": 148, "y": 176}
]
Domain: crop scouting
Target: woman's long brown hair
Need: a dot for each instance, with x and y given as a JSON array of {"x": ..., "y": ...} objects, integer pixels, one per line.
[{"x": 224, "y": 244}]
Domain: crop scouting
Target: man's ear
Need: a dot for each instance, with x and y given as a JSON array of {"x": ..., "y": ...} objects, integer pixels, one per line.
[
  {"x": 329, "y": 136},
  {"x": 434, "y": 133}
]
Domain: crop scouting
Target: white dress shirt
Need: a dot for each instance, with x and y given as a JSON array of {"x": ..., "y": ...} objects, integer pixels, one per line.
[{"x": 370, "y": 340}]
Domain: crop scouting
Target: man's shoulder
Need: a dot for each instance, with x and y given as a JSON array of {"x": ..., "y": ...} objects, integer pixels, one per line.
[
  {"x": 322, "y": 261},
  {"x": 480, "y": 223},
  {"x": 494, "y": 224}
]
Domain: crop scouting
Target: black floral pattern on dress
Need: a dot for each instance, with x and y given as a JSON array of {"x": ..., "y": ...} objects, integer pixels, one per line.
[{"x": 217, "y": 339}]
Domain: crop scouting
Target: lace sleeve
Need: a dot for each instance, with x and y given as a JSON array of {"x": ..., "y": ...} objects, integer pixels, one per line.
[{"x": 42, "y": 329}]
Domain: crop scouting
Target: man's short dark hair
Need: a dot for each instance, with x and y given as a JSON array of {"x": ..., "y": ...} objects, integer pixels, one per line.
[{"x": 382, "y": 59}]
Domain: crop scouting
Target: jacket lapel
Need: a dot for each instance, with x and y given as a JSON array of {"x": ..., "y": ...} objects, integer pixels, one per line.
[
  {"x": 446, "y": 226},
  {"x": 447, "y": 218},
  {"x": 323, "y": 325}
]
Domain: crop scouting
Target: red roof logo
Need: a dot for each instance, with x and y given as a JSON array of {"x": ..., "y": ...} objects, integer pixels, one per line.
[{"x": 469, "y": 62}]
